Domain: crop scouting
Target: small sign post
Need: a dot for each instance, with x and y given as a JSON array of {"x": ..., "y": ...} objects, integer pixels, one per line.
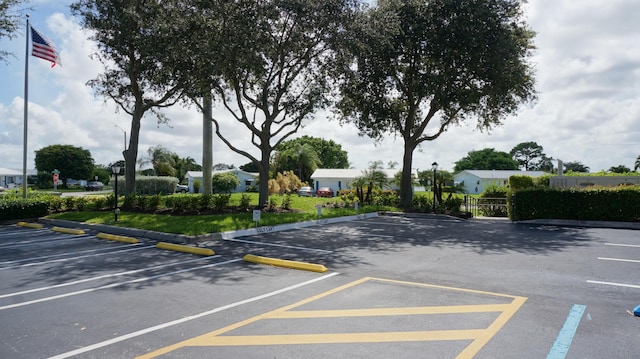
[
  {"x": 256, "y": 216},
  {"x": 319, "y": 207},
  {"x": 56, "y": 174}
]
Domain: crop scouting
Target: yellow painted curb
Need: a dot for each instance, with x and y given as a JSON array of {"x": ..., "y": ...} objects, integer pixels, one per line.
[
  {"x": 30, "y": 225},
  {"x": 113, "y": 237},
  {"x": 67, "y": 230},
  {"x": 285, "y": 263},
  {"x": 186, "y": 249}
]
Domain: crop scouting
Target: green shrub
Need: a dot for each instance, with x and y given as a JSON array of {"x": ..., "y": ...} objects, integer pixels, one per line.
[
  {"x": 245, "y": 202},
  {"x": 220, "y": 201},
  {"x": 68, "y": 203},
  {"x": 225, "y": 182},
  {"x": 154, "y": 202},
  {"x": 520, "y": 182},
  {"x": 205, "y": 201},
  {"x": 23, "y": 208}
]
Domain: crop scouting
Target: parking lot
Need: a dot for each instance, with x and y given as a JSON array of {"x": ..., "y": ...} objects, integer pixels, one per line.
[{"x": 422, "y": 287}]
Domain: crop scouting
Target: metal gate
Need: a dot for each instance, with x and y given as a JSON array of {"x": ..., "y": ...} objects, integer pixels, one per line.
[{"x": 486, "y": 207}]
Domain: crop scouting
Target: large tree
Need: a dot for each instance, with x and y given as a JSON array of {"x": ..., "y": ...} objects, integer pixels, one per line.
[
  {"x": 134, "y": 41},
  {"x": 72, "y": 162},
  {"x": 486, "y": 159},
  {"x": 267, "y": 62},
  {"x": 527, "y": 154},
  {"x": 416, "y": 67}
]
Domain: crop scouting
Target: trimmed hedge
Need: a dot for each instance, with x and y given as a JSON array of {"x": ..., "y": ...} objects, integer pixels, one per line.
[
  {"x": 620, "y": 204},
  {"x": 19, "y": 208}
]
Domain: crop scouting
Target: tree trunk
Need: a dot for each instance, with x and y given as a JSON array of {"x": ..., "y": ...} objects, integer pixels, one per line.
[
  {"x": 131, "y": 153},
  {"x": 207, "y": 144},
  {"x": 406, "y": 182},
  {"x": 263, "y": 186}
]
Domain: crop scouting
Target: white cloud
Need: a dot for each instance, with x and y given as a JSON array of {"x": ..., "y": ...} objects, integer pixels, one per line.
[{"x": 588, "y": 78}]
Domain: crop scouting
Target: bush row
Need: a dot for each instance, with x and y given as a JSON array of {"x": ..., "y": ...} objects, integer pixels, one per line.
[{"x": 595, "y": 204}]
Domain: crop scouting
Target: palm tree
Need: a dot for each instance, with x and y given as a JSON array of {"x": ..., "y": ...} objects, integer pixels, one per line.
[
  {"x": 636, "y": 167},
  {"x": 303, "y": 158}
]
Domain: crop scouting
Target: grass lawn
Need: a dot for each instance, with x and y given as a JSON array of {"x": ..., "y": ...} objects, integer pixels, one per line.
[{"x": 201, "y": 224}]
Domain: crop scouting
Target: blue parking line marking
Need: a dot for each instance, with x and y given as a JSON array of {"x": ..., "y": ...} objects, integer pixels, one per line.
[{"x": 568, "y": 331}]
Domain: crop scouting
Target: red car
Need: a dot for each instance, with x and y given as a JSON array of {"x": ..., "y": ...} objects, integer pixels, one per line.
[{"x": 324, "y": 192}]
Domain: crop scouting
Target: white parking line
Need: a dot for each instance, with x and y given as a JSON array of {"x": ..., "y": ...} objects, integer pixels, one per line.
[
  {"x": 47, "y": 240},
  {"x": 186, "y": 319},
  {"x": 111, "y": 251},
  {"x": 623, "y": 245},
  {"x": 89, "y": 290},
  {"x": 615, "y": 284},
  {"x": 100, "y": 277},
  {"x": 619, "y": 260}
]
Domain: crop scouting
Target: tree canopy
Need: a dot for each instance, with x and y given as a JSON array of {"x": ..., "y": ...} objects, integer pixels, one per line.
[
  {"x": 72, "y": 162},
  {"x": 416, "y": 67},
  {"x": 303, "y": 155},
  {"x": 9, "y": 22},
  {"x": 575, "y": 166},
  {"x": 134, "y": 43},
  {"x": 486, "y": 159}
]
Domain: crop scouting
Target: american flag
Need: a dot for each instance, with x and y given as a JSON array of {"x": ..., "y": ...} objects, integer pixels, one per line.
[{"x": 44, "y": 48}]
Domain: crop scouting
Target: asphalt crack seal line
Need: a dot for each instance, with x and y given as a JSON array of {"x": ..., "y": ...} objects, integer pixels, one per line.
[
  {"x": 285, "y": 263},
  {"x": 113, "y": 237},
  {"x": 186, "y": 249}
]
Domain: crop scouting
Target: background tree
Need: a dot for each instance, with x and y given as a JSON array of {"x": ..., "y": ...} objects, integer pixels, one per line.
[
  {"x": 184, "y": 164},
  {"x": 416, "y": 67},
  {"x": 636, "y": 166},
  {"x": 271, "y": 71},
  {"x": 102, "y": 172},
  {"x": 250, "y": 167},
  {"x": 329, "y": 152},
  {"x": 620, "y": 169},
  {"x": 133, "y": 43},
  {"x": 161, "y": 159},
  {"x": 528, "y": 155},
  {"x": 10, "y": 21},
  {"x": 301, "y": 158},
  {"x": 225, "y": 182},
  {"x": 575, "y": 166},
  {"x": 72, "y": 162},
  {"x": 486, "y": 159}
]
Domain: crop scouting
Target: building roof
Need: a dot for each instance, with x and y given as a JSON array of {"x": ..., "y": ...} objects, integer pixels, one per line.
[
  {"x": 341, "y": 173},
  {"x": 10, "y": 172},
  {"x": 501, "y": 174}
]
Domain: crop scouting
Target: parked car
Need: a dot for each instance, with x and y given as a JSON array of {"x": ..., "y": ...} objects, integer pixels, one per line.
[
  {"x": 181, "y": 188},
  {"x": 1, "y": 189},
  {"x": 305, "y": 191},
  {"x": 94, "y": 186},
  {"x": 324, "y": 192}
]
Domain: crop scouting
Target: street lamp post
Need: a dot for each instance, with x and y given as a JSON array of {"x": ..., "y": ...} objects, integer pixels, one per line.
[
  {"x": 115, "y": 169},
  {"x": 434, "y": 166}
]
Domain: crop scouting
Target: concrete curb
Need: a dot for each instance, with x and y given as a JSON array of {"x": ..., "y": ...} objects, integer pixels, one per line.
[
  {"x": 185, "y": 249},
  {"x": 113, "y": 237},
  {"x": 576, "y": 223},
  {"x": 285, "y": 263},
  {"x": 67, "y": 230}
]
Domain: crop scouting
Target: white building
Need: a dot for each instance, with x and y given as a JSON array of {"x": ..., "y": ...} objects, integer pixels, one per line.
[
  {"x": 246, "y": 179},
  {"x": 476, "y": 181},
  {"x": 10, "y": 178},
  {"x": 340, "y": 178}
]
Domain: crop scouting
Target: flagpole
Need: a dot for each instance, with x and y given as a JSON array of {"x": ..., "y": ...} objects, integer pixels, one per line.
[{"x": 26, "y": 111}]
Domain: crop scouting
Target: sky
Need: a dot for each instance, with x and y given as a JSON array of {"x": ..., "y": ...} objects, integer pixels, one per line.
[{"x": 587, "y": 63}]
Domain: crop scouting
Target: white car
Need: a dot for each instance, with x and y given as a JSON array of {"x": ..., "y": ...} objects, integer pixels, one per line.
[
  {"x": 182, "y": 188},
  {"x": 305, "y": 191}
]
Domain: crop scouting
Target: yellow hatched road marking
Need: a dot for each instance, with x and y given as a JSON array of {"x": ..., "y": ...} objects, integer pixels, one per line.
[{"x": 479, "y": 337}]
